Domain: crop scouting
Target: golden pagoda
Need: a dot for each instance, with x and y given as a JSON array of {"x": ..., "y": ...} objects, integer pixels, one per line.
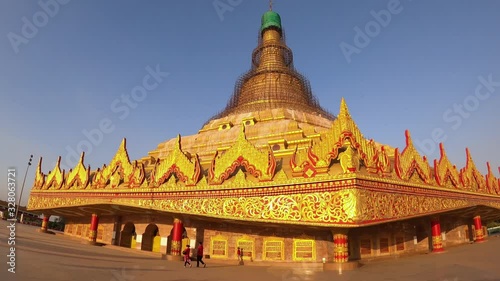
[{"x": 277, "y": 175}]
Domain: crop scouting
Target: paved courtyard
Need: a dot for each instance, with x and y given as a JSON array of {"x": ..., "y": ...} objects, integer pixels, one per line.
[{"x": 59, "y": 258}]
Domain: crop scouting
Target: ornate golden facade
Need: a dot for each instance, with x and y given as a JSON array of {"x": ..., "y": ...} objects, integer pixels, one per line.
[
  {"x": 272, "y": 156},
  {"x": 355, "y": 182}
]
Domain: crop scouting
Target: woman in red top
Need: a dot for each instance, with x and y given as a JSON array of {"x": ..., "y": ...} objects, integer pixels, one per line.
[
  {"x": 187, "y": 254},
  {"x": 199, "y": 256}
]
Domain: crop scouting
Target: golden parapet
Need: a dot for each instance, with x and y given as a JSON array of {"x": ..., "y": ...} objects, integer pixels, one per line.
[
  {"x": 471, "y": 178},
  {"x": 118, "y": 171},
  {"x": 78, "y": 177},
  {"x": 410, "y": 161},
  {"x": 446, "y": 173},
  {"x": 186, "y": 169},
  {"x": 492, "y": 182},
  {"x": 259, "y": 164},
  {"x": 55, "y": 178}
]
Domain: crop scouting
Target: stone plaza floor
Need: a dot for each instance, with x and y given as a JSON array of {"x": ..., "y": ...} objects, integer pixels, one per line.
[{"x": 40, "y": 256}]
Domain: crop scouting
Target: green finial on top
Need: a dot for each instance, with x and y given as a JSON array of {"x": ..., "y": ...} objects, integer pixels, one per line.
[{"x": 270, "y": 19}]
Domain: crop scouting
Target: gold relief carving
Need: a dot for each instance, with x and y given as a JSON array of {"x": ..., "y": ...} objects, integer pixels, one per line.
[
  {"x": 259, "y": 164},
  {"x": 39, "y": 176},
  {"x": 304, "y": 250},
  {"x": 97, "y": 177},
  {"x": 41, "y": 203},
  {"x": 176, "y": 162},
  {"x": 203, "y": 183},
  {"x": 415, "y": 178},
  {"x": 280, "y": 176},
  {"x": 349, "y": 206},
  {"x": 287, "y": 207},
  {"x": 375, "y": 205},
  {"x": 78, "y": 178},
  {"x": 171, "y": 183},
  {"x": 300, "y": 157},
  {"x": 138, "y": 175},
  {"x": 175, "y": 248},
  {"x": 240, "y": 179},
  {"x": 55, "y": 178},
  {"x": 444, "y": 171},
  {"x": 145, "y": 183},
  {"x": 349, "y": 159},
  {"x": 92, "y": 235},
  {"x": 410, "y": 161},
  {"x": 324, "y": 207},
  {"x": 115, "y": 179},
  {"x": 492, "y": 183},
  {"x": 383, "y": 164},
  {"x": 471, "y": 178}
]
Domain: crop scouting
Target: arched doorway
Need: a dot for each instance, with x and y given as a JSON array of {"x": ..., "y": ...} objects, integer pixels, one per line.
[
  {"x": 151, "y": 239},
  {"x": 128, "y": 235}
]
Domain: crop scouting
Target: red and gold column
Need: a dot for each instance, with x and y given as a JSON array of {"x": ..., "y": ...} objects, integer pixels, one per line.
[
  {"x": 177, "y": 231},
  {"x": 437, "y": 243},
  {"x": 478, "y": 229},
  {"x": 94, "y": 223},
  {"x": 341, "y": 246},
  {"x": 45, "y": 223}
]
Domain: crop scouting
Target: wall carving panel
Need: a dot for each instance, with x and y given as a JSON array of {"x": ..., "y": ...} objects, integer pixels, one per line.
[{"x": 345, "y": 207}]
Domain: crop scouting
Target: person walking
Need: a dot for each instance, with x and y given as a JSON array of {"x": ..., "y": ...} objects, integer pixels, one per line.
[
  {"x": 239, "y": 254},
  {"x": 187, "y": 256},
  {"x": 199, "y": 256}
]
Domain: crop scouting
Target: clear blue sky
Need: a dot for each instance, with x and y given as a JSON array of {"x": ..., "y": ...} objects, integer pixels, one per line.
[{"x": 64, "y": 79}]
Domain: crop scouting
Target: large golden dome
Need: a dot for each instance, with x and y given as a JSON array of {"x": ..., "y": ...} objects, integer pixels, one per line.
[
  {"x": 272, "y": 101},
  {"x": 272, "y": 82}
]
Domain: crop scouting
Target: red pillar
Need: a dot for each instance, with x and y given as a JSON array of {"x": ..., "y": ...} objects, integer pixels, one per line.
[
  {"x": 45, "y": 223},
  {"x": 94, "y": 223},
  {"x": 341, "y": 246},
  {"x": 479, "y": 229},
  {"x": 177, "y": 231},
  {"x": 437, "y": 244}
]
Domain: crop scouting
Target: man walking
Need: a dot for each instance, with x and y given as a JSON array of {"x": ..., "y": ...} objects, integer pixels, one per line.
[{"x": 199, "y": 256}]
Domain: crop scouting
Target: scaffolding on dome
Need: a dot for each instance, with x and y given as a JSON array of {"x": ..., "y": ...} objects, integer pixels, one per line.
[{"x": 272, "y": 82}]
